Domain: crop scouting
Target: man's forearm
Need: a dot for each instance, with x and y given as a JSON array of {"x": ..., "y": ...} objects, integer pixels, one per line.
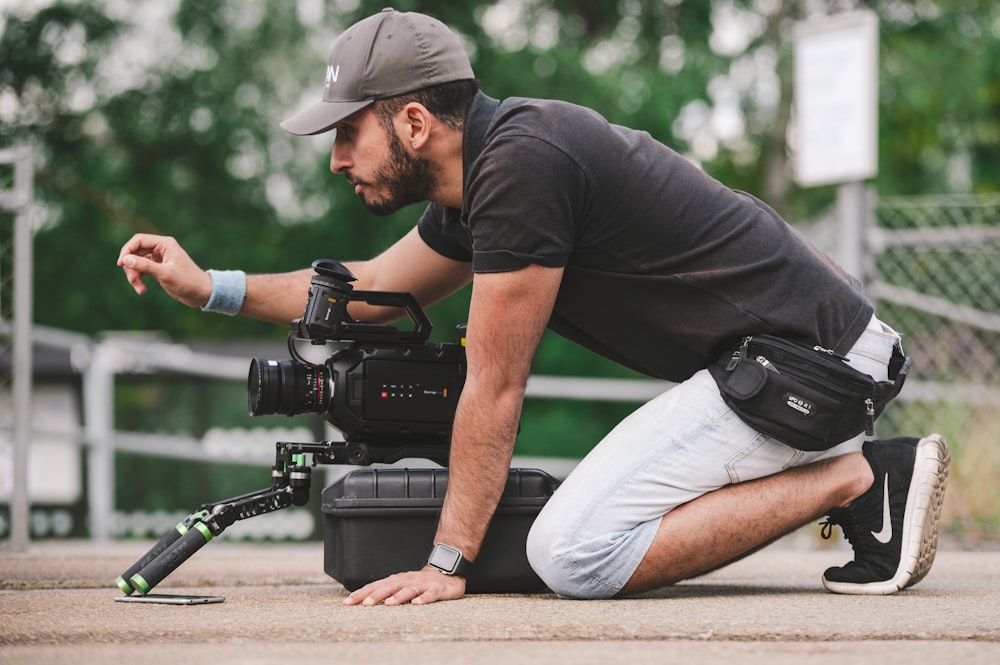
[
  {"x": 482, "y": 445},
  {"x": 278, "y": 298}
]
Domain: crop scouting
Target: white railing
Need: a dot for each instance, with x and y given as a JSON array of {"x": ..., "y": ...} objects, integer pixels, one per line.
[
  {"x": 106, "y": 358},
  {"x": 101, "y": 361}
]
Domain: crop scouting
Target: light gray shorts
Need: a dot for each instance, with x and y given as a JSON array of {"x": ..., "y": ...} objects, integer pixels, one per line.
[{"x": 593, "y": 533}]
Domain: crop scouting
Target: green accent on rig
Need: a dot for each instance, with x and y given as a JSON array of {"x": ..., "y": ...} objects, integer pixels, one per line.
[
  {"x": 124, "y": 586},
  {"x": 139, "y": 584}
]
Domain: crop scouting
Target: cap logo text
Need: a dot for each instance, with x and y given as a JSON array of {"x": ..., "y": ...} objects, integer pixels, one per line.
[{"x": 331, "y": 74}]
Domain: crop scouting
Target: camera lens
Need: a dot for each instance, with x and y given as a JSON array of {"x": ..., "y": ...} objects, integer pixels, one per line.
[{"x": 287, "y": 387}]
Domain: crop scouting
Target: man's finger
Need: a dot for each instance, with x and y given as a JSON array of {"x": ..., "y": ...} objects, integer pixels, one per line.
[
  {"x": 407, "y": 594},
  {"x": 137, "y": 242},
  {"x": 393, "y": 590},
  {"x": 365, "y": 595},
  {"x": 140, "y": 266}
]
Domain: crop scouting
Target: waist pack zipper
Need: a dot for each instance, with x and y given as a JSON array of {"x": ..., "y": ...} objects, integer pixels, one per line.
[
  {"x": 831, "y": 353},
  {"x": 738, "y": 353}
]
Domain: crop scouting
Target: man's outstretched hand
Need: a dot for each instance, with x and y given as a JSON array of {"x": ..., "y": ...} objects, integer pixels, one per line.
[{"x": 163, "y": 259}]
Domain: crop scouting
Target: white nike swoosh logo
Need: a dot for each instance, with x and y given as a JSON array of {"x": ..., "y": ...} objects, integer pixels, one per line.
[{"x": 885, "y": 535}]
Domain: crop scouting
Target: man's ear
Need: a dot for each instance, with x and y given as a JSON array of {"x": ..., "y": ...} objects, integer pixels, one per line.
[{"x": 414, "y": 123}]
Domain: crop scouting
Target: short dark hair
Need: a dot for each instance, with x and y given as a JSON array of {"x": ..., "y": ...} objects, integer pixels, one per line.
[{"x": 449, "y": 102}]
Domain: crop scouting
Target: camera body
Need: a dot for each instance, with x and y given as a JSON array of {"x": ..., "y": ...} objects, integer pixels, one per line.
[
  {"x": 390, "y": 395},
  {"x": 389, "y": 392}
]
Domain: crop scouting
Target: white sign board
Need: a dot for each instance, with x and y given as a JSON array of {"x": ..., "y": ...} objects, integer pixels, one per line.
[{"x": 836, "y": 99}]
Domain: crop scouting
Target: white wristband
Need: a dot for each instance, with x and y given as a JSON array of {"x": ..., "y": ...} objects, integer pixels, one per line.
[{"x": 229, "y": 289}]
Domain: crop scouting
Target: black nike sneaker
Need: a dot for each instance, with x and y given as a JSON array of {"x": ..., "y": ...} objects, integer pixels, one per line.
[{"x": 893, "y": 527}]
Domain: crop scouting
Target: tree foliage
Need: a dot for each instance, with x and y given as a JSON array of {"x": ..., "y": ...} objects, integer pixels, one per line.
[{"x": 160, "y": 117}]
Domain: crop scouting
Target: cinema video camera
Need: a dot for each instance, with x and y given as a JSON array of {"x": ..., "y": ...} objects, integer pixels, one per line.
[{"x": 390, "y": 392}]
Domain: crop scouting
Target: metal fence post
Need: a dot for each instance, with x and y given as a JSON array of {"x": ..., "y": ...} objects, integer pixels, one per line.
[
  {"x": 853, "y": 211},
  {"x": 18, "y": 201},
  {"x": 98, "y": 410}
]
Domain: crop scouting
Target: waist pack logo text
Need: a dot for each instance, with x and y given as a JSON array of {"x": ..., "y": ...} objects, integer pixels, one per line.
[{"x": 803, "y": 406}]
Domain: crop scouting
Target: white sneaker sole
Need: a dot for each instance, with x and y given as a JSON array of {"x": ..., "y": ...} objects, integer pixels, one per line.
[{"x": 920, "y": 522}]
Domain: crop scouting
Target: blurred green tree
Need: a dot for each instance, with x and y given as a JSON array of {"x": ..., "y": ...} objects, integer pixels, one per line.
[
  {"x": 162, "y": 117},
  {"x": 157, "y": 117}
]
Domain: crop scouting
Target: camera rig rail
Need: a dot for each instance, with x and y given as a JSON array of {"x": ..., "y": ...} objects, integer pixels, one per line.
[{"x": 391, "y": 393}]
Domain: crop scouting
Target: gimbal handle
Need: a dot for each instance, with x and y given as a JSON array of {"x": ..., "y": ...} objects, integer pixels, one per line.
[
  {"x": 290, "y": 486},
  {"x": 167, "y": 561},
  {"x": 124, "y": 580}
]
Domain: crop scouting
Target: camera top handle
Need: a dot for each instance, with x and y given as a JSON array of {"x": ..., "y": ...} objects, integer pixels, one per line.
[{"x": 326, "y": 318}]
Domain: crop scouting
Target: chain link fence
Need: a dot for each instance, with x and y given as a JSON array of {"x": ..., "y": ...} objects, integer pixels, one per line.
[{"x": 934, "y": 272}]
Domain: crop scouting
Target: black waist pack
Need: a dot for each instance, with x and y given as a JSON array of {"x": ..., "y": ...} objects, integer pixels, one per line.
[{"x": 805, "y": 396}]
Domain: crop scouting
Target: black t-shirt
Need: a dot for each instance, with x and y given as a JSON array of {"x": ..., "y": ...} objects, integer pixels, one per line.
[{"x": 663, "y": 264}]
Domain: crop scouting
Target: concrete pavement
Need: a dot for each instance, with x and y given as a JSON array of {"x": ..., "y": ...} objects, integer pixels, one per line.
[{"x": 57, "y": 605}]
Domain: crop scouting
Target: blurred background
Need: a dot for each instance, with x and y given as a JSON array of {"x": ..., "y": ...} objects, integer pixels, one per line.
[{"x": 160, "y": 116}]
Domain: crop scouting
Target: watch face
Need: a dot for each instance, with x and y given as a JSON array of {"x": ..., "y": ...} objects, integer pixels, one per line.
[{"x": 444, "y": 558}]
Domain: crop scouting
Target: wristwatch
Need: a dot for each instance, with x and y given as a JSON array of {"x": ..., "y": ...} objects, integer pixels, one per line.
[{"x": 449, "y": 561}]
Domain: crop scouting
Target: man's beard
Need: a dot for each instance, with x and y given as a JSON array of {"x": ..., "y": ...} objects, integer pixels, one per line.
[{"x": 407, "y": 178}]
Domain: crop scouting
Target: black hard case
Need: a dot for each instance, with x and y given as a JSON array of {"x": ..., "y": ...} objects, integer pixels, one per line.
[{"x": 377, "y": 522}]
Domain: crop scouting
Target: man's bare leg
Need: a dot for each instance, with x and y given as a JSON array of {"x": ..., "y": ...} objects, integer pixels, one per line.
[{"x": 723, "y": 525}]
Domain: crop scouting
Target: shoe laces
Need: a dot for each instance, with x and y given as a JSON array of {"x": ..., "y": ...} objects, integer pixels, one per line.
[
  {"x": 834, "y": 518},
  {"x": 848, "y": 526}
]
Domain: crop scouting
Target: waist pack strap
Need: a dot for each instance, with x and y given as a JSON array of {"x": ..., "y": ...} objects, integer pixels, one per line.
[{"x": 899, "y": 367}]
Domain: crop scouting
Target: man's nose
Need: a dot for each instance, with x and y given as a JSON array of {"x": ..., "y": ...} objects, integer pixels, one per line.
[{"x": 339, "y": 158}]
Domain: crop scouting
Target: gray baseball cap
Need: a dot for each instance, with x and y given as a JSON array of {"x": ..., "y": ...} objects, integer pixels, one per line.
[{"x": 382, "y": 56}]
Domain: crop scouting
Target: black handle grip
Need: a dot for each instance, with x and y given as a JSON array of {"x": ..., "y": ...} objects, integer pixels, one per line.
[
  {"x": 172, "y": 536},
  {"x": 180, "y": 551},
  {"x": 421, "y": 324}
]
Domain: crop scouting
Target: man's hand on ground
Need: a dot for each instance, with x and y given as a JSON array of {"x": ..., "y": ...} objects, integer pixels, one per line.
[{"x": 419, "y": 587}]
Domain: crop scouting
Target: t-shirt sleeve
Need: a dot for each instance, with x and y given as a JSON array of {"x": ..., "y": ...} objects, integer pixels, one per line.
[
  {"x": 440, "y": 229},
  {"x": 521, "y": 205}
]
